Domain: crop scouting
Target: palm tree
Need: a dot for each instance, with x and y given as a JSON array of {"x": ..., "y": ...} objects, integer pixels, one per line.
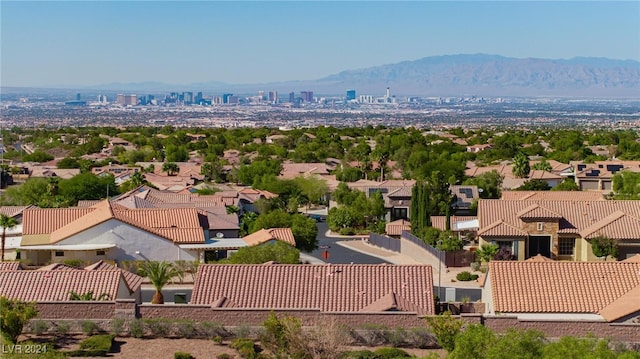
[
  {"x": 6, "y": 222},
  {"x": 88, "y": 296},
  {"x": 171, "y": 168},
  {"x": 159, "y": 273},
  {"x": 521, "y": 166}
]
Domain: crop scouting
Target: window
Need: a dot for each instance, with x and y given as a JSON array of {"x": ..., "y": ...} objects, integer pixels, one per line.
[
  {"x": 100, "y": 253},
  {"x": 59, "y": 253},
  {"x": 540, "y": 226},
  {"x": 565, "y": 246}
]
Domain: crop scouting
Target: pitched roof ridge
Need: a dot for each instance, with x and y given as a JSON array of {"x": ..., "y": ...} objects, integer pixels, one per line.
[
  {"x": 599, "y": 225},
  {"x": 101, "y": 213}
]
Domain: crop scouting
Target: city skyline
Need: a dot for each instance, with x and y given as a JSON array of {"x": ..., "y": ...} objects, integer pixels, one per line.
[{"x": 92, "y": 43}]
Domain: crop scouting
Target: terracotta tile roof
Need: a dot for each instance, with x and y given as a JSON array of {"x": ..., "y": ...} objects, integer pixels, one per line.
[
  {"x": 534, "y": 211},
  {"x": 501, "y": 229},
  {"x": 265, "y": 235},
  {"x": 577, "y": 216},
  {"x": 542, "y": 175},
  {"x": 553, "y": 195},
  {"x": 395, "y": 228},
  {"x": 328, "y": 288},
  {"x": 539, "y": 258},
  {"x": 133, "y": 280},
  {"x": 41, "y": 286},
  {"x": 57, "y": 266},
  {"x": 562, "y": 287},
  {"x": 88, "y": 203},
  {"x": 615, "y": 225},
  {"x": 9, "y": 266},
  {"x": 218, "y": 218},
  {"x": 41, "y": 221},
  {"x": 12, "y": 211},
  {"x": 181, "y": 225},
  {"x": 628, "y": 303},
  {"x": 633, "y": 259}
]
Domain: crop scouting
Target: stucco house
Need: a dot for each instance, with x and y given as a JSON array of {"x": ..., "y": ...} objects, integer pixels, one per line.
[
  {"x": 559, "y": 229},
  {"x": 13, "y": 236},
  {"x": 541, "y": 289},
  {"x": 109, "y": 231}
]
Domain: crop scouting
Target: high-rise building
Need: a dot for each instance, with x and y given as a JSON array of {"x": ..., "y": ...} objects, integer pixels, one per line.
[
  {"x": 225, "y": 97},
  {"x": 273, "y": 96},
  {"x": 351, "y": 95},
  {"x": 187, "y": 98},
  {"x": 307, "y": 96},
  {"x": 78, "y": 97},
  {"x": 292, "y": 97},
  {"x": 127, "y": 100},
  {"x": 198, "y": 98}
]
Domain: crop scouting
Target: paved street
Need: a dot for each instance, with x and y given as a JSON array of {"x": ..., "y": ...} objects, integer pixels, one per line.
[{"x": 340, "y": 254}]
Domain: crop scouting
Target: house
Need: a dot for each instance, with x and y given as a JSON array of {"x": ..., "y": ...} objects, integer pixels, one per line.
[
  {"x": 559, "y": 229},
  {"x": 56, "y": 285},
  {"x": 598, "y": 176},
  {"x": 13, "y": 236},
  {"x": 110, "y": 231},
  {"x": 554, "y": 290},
  {"x": 465, "y": 196},
  {"x": 221, "y": 247},
  {"x": 337, "y": 288},
  {"x": 293, "y": 170},
  {"x": 553, "y": 195},
  {"x": 478, "y": 148}
]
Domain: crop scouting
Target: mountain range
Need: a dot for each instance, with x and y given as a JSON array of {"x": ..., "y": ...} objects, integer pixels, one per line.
[{"x": 456, "y": 75}]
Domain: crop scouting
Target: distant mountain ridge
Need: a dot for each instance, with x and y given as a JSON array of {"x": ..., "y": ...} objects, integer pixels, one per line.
[{"x": 456, "y": 75}]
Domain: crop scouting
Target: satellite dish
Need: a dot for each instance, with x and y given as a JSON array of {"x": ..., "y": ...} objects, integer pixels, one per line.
[{"x": 219, "y": 235}]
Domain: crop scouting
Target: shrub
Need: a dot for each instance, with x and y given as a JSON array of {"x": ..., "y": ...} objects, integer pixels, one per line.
[
  {"x": 89, "y": 327},
  {"x": 77, "y": 263},
  {"x": 14, "y": 314},
  {"x": 391, "y": 353},
  {"x": 446, "y": 329},
  {"x": 95, "y": 346},
  {"x": 421, "y": 338},
  {"x": 186, "y": 328},
  {"x": 475, "y": 266},
  {"x": 246, "y": 347},
  {"x": 217, "y": 339},
  {"x": 466, "y": 276},
  {"x": 223, "y": 356},
  {"x": 63, "y": 328},
  {"x": 117, "y": 326},
  {"x": 159, "y": 327},
  {"x": 136, "y": 328},
  {"x": 397, "y": 337},
  {"x": 39, "y": 327},
  {"x": 182, "y": 355},
  {"x": 348, "y": 231},
  {"x": 242, "y": 331},
  {"x": 358, "y": 354},
  {"x": 212, "y": 329}
]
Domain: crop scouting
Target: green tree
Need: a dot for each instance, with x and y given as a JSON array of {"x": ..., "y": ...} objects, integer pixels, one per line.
[
  {"x": 170, "y": 168},
  {"x": 420, "y": 204},
  {"x": 6, "y": 222},
  {"x": 313, "y": 188},
  {"x": 37, "y": 156},
  {"x": 14, "y": 314},
  {"x": 68, "y": 162},
  {"x": 542, "y": 166},
  {"x": 604, "y": 247},
  {"x": 305, "y": 232},
  {"x": 159, "y": 273},
  {"x": 534, "y": 185},
  {"x": 487, "y": 252},
  {"x": 521, "y": 166},
  {"x": 566, "y": 185},
  {"x": 517, "y": 344},
  {"x": 489, "y": 184},
  {"x": 578, "y": 348},
  {"x": 446, "y": 329},
  {"x": 474, "y": 342},
  {"x": 278, "y": 251}
]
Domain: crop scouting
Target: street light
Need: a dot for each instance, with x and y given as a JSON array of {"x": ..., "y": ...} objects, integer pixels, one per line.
[{"x": 439, "y": 270}]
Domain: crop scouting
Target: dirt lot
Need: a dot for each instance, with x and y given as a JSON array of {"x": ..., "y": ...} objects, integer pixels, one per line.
[{"x": 133, "y": 348}]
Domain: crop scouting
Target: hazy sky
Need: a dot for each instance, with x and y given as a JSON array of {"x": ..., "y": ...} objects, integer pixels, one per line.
[{"x": 96, "y": 42}]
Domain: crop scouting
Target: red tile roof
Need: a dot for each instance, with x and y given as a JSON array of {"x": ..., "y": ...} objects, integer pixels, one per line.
[
  {"x": 328, "y": 288},
  {"x": 587, "y": 217},
  {"x": 265, "y": 235},
  {"x": 563, "y": 287},
  {"x": 395, "y": 228},
  {"x": 9, "y": 266},
  {"x": 133, "y": 280},
  {"x": 553, "y": 195},
  {"x": 41, "y": 286}
]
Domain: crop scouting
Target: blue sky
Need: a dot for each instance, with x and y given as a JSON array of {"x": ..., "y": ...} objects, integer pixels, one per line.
[{"x": 96, "y": 42}]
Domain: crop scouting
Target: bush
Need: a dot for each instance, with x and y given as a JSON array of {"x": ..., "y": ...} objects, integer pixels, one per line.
[
  {"x": 347, "y": 231},
  {"x": 159, "y": 327},
  {"x": 212, "y": 330},
  {"x": 391, "y": 353},
  {"x": 186, "y": 329},
  {"x": 358, "y": 354},
  {"x": 136, "y": 328},
  {"x": 466, "y": 276},
  {"x": 89, "y": 327},
  {"x": 39, "y": 327},
  {"x": 223, "y": 356},
  {"x": 95, "y": 346},
  {"x": 63, "y": 328},
  {"x": 14, "y": 314},
  {"x": 182, "y": 355},
  {"x": 77, "y": 263},
  {"x": 117, "y": 326},
  {"x": 445, "y": 328},
  {"x": 475, "y": 266},
  {"x": 246, "y": 347}
]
